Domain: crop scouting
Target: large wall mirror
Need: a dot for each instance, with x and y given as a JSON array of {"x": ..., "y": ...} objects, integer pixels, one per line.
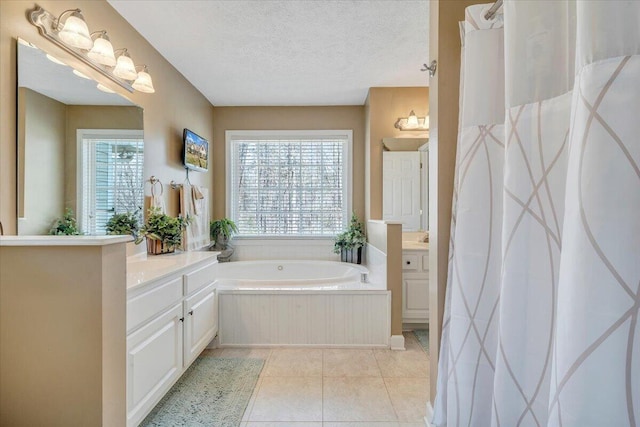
[{"x": 79, "y": 148}]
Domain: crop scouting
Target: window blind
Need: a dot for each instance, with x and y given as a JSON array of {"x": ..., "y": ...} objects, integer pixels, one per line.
[
  {"x": 112, "y": 180},
  {"x": 289, "y": 186}
]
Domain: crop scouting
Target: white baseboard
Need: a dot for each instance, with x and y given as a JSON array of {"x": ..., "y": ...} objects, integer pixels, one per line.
[
  {"x": 429, "y": 416},
  {"x": 396, "y": 342}
]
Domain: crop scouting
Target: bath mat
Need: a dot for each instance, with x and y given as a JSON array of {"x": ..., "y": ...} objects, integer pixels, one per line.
[
  {"x": 213, "y": 392},
  {"x": 423, "y": 338}
]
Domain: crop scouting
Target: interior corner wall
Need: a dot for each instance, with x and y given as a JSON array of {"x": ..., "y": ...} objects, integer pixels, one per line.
[
  {"x": 287, "y": 118},
  {"x": 445, "y": 47},
  {"x": 384, "y": 106},
  {"x": 175, "y": 105}
]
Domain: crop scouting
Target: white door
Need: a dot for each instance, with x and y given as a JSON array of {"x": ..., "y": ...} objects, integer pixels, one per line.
[
  {"x": 401, "y": 188},
  {"x": 201, "y": 326}
]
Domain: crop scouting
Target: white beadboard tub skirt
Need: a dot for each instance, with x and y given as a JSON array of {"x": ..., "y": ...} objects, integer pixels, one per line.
[{"x": 301, "y": 303}]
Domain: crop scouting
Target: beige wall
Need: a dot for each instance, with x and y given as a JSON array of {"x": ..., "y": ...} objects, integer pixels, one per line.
[
  {"x": 44, "y": 128},
  {"x": 175, "y": 105},
  {"x": 286, "y": 118},
  {"x": 444, "y": 46},
  {"x": 92, "y": 117},
  {"x": 383, "y": 106}
]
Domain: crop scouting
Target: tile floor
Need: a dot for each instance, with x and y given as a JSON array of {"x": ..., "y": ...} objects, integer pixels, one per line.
[{"x": 338, "y": 387}]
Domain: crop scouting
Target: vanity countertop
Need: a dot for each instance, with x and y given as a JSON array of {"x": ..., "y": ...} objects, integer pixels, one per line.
[
  {"x": 142, "y": 268},
  {"x": 62, "y": 240},
  {"x": 414, "y": 246}
]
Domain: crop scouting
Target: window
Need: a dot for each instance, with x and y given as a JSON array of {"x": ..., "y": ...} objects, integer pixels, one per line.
[
  {"x": 289, "y": 183},
  {"x": 110, "y": 176}
]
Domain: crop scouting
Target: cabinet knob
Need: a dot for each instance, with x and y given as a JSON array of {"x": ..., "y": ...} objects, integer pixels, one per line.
[
  {"x": 408, "y": 262},
  {"x": 191, "y": 312},
  {"x": 182, "y": 319}
]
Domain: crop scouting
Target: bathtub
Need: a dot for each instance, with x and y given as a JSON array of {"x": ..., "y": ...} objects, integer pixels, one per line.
[{"x": 301, "y": 303}]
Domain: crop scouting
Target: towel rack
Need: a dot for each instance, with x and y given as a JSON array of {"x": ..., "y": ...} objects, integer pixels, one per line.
[{"x": 153, "y": 180}]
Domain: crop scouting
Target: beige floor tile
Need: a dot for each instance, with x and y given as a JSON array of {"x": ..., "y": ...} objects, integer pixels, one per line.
[
  {"x": 408, "y": 364},
  {"x": 252, "y": 399},
  {"x": 361, "y": 424},
  {"x": 247, "y": 353},
  {"x": 409, "y": 397},
  {"x": 356, "y": 399},
  {"x": 283, "y": 424},
  {"x": 302, "y": 362},
  {"x": 349, "y": 363},
  {"x": 288, "y": 399}
]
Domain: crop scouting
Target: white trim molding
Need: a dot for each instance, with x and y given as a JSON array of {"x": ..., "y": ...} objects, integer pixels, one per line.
[
  {"x": 396, "y": 342},
  {"x": 429, "y": 416}
]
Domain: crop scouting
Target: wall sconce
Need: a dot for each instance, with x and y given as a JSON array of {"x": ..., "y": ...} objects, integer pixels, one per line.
[
  {"x": 70, "y": 32},
  {"x": 412, "y": 122}
]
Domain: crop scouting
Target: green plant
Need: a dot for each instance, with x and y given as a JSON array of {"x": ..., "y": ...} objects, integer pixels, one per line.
[
  {"x": 124, "y": 223},
  {"x": 65, "y": 226},
  {"x": 165, "y": 228},
  {"x": 223, "y": 227},
  {"x": 353, "y": 238}
]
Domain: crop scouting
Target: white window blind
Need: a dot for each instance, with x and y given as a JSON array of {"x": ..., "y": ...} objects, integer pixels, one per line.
[
  {"x": 289, "y": 185},
  {"x": 111, "y": 177}
]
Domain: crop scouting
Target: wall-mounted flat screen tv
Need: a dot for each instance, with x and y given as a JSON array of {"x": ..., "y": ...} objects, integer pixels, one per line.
[{"x": 196, "y": 151}]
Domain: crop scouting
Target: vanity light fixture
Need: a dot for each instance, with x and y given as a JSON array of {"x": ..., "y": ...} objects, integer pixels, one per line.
[
  {"x": 143, "y": 82},
  {"x": 74, "y": 31},
  {"x": 70, "y": 32},
  {"x": 102, "y": 50},
  {"x": 125, "y": 68},
  {"x": 412, "y": 122}
]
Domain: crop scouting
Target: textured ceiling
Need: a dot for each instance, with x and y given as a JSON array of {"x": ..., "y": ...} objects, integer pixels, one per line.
[{"x": 296, "y": 52}]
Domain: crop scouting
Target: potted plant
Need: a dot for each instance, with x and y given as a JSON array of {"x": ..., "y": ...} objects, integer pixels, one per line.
[
  {"x": 349, "y": 243},
  {"x": 163, "y": 232},
  {"x": 221, "y": 231},
  {"x": 123, "y": 224},
  {"x": 65, "y": 226}
]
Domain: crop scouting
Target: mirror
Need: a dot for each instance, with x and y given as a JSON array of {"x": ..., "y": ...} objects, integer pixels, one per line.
[
  {"x": 79, "y": 148},
  {"x": 405, "y": 182}
]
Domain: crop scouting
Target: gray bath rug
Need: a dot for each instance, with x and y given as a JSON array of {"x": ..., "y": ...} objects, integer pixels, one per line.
[
  {"x": 423, "y": 338},
  {"x": 213, "y": 392}
]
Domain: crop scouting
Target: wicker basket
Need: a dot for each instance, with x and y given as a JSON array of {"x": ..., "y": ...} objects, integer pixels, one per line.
[{"x": 158, "y": 247}]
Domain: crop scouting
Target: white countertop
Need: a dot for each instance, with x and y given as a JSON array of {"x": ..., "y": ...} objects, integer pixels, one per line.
[
  {"x": 415, "y": 246},
  {"x": 62, "y": 240},
  {"x": 143, "y": 268}
]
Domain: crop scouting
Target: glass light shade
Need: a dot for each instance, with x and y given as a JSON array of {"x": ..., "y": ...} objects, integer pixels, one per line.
[
  {"x": 125, "y": 68},
  {"x": 412, "y": 120},
  {"x": 102, "y": 51},
  {"x": 143, "y": 83},
  {"x": 426, "y": 122},
  {"x": 75, "y": 32},
  {"x": 104, "y": 88}
]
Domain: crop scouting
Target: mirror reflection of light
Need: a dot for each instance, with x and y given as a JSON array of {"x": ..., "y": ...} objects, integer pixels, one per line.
[
  {"x": 104, "y": 88},
  {"x": 79, "y": 74},
  {"x": 55, "y": 60}
]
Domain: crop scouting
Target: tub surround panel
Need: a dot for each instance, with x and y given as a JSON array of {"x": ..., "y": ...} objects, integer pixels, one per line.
[
  {"x": 340, "y": 319},
  {"x": 290, "y": 249},
  {"x": 39, "y": 241}
]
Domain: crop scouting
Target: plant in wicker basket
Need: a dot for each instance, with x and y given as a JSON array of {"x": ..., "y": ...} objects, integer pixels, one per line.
[
  {"x": 349, "y": 243},
  {"x": 163, "y": 232}
]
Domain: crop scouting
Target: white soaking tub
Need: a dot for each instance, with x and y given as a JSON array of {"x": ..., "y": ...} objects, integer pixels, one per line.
[{"x": 301, "y": 303}]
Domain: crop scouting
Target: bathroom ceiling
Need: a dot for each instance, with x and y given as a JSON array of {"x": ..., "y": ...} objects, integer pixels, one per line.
[{"x": 287, "y": 52}]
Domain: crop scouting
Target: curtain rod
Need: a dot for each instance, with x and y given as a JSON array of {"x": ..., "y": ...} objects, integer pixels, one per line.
[{"x": 493, "y": 10}]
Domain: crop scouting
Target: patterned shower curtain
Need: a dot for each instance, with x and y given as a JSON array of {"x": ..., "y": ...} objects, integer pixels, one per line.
[{"x": 543, "y": 296}]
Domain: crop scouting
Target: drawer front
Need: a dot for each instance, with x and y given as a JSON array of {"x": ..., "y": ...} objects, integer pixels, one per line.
[
  {"x": 146, "y": 305},
  {"x": 410, "y": 262},
  {"x": 199, "y": 278}
]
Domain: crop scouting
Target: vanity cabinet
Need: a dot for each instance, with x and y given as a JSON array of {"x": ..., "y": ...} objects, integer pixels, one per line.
[
  {"x": 170, "y": 321},
  {"x": 415, "y": 286}
]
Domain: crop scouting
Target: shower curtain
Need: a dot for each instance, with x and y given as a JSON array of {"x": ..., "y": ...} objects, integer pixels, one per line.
[{"x": 543, "y": 295}]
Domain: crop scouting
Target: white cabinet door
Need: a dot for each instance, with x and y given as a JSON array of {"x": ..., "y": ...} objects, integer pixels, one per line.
[
  {"x": 401, "y": 188},
  {"x": 154, "y": 362},
  {"x": 415, "y": 299},
  {"x": 201, "y": 322}
]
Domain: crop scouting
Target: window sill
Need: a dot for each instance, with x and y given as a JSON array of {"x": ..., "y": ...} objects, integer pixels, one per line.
[{"x": 281, "y": 241}]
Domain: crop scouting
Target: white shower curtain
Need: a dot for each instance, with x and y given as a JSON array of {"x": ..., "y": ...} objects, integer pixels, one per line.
[{"x": 541, "y": 316}]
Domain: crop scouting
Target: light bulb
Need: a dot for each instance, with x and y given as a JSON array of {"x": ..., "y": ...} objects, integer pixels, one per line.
[{"x": 412, "y": 120}]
